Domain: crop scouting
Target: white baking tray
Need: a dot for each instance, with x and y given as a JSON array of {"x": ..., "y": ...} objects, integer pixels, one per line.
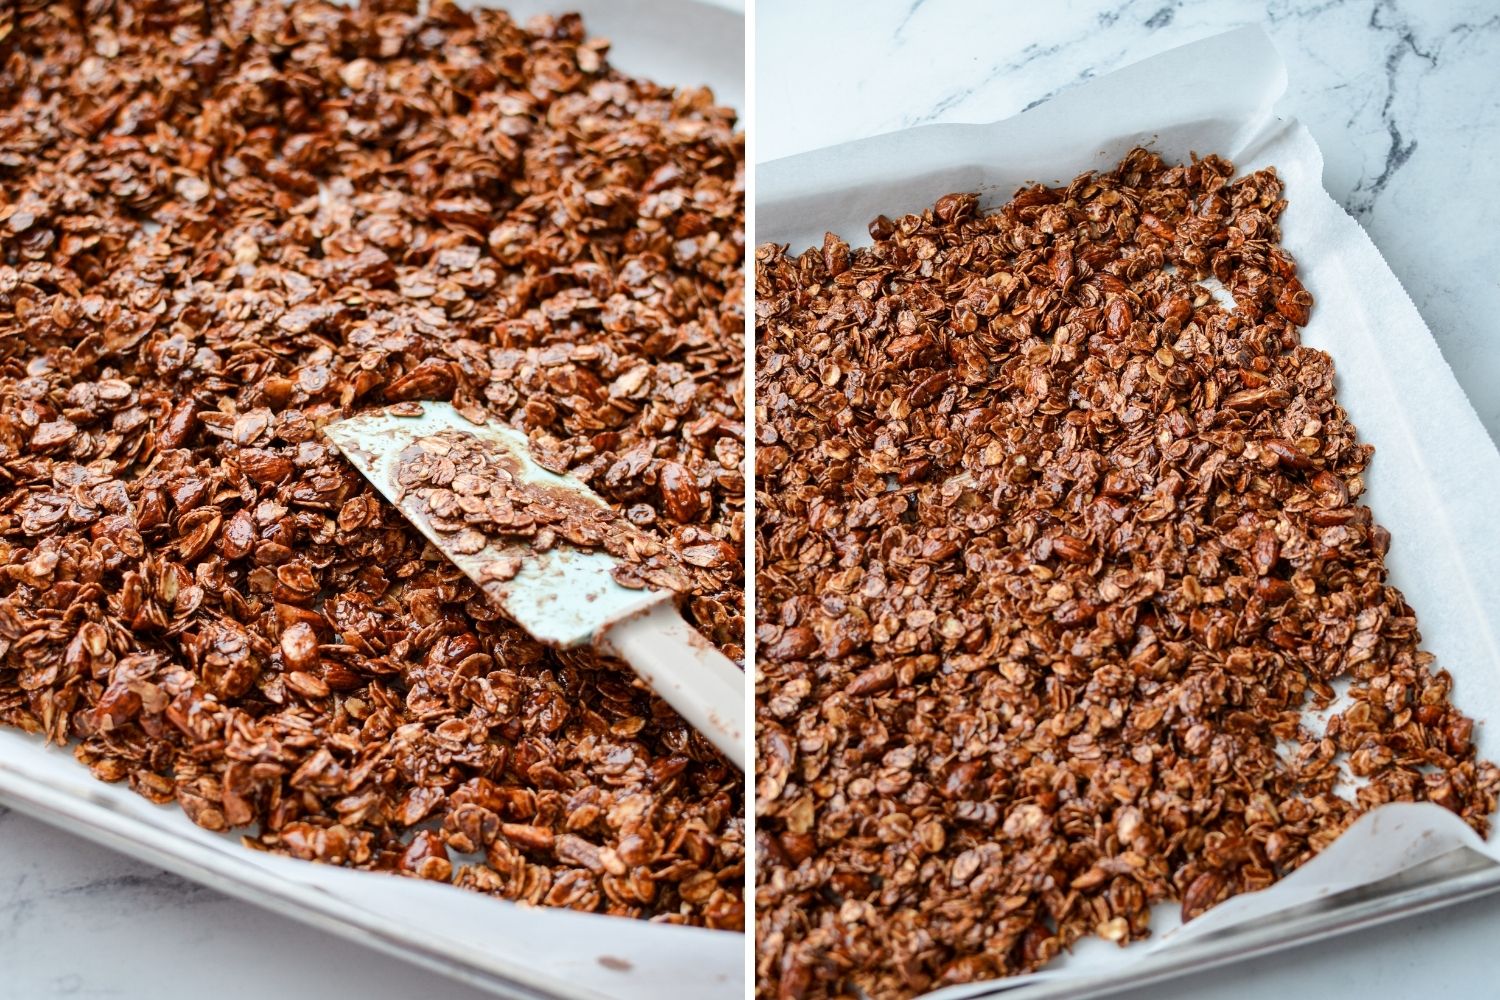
[
  {"x": 1432, "y": 482},
  {"x": 511, "y": 950}
]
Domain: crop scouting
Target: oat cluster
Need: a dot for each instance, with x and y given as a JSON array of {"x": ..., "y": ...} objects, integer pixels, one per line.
[
  {"x": 476, "y": 498},
  {"x": 225, "y": 225},
  {"x": 1054, "y": 550}
]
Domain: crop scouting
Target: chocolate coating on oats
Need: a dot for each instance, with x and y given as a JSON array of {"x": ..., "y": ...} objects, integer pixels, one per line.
[
  {"x": 351, "y": 207},
  {"x": 474, "y": 496},
  {"x": 1054, "y": 550}
]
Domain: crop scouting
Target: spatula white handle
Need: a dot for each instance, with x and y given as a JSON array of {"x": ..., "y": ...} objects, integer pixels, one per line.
[{"x": 688, "y": 672}]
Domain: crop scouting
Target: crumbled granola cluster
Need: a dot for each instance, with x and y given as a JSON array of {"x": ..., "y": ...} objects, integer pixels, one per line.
[{"x": 476, "y": 497}]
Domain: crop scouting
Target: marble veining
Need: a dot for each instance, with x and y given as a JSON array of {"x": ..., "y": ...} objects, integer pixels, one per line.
[{"x": 1400, "y": 94}]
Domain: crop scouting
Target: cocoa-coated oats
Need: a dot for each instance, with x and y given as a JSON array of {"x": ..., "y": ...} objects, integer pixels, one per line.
[
  {"x": 1054, "y": 550},
  {"x": 474, "y": 495},
  {"x": 223, "y": 226}
]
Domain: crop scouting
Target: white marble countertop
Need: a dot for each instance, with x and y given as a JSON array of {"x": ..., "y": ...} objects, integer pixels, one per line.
[{"x": 1401, "y": 98}]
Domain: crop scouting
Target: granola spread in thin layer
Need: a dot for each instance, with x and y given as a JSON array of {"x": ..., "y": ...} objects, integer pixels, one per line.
[
  {"x": 224, "y": 225},
  {"x": 1053, "y": 552}
]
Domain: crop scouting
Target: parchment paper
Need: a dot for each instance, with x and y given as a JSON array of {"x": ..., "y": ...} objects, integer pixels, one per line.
[
  {"x": 1436, "y": 473},
  {"x": 559, "y": 952}
]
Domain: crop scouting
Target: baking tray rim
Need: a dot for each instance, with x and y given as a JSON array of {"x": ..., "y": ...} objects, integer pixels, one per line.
[
  {"x": 222, "y": 871},
  {"x": 1458, "y": 876}
]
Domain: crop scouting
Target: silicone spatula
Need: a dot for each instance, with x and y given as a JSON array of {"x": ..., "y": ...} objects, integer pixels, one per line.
[{"x": 565, "y": 596}]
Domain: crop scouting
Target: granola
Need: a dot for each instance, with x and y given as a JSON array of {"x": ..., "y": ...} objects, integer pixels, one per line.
[
  {"x": 1054, "y": 551},
  {"x": 474, "y": 495},
  {"x": 224, "y": 225}
]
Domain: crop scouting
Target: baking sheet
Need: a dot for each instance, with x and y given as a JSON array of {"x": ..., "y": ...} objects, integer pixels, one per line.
[
  {"x": 516, "y": 950},
  {"x": 1435, "y": 471}
]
